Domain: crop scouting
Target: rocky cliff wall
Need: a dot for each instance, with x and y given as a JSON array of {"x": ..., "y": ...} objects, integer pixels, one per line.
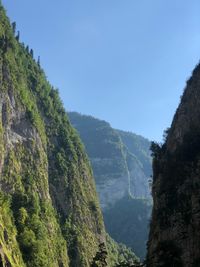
[{"x": 174, "y": 235}]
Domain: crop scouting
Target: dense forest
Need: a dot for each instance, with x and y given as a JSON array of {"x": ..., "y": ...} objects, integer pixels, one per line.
[{"x": 49, "y": 209}]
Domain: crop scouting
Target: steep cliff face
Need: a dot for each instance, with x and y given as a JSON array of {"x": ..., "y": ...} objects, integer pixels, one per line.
[
  {"x": 49, "y": 211},
  {"x": 25, "y": 197},
  {"x": 139, "y": 162},
  {"x": 174, "y": 236}
]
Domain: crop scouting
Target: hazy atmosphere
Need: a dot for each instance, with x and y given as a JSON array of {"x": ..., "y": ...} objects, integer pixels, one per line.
[
  {"x": 123, "y": 61},
  {"x": 87, "y": 89}
]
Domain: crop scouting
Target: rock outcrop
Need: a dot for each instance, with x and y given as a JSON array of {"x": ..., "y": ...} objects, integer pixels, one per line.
[
  {"x": 139, "y": 162},
  {"x": 174, "y": 236}
]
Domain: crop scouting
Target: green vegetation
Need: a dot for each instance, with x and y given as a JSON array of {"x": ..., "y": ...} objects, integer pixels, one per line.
[
  {"x": 119, "y": 253},
  {"x": 9, "y": 246},
  {"x": 101, "y": 142},
  {"x": 50, "y": 214},
  {"x": 24, "y": 172}
]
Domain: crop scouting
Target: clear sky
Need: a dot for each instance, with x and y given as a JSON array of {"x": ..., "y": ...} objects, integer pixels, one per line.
[{"x": 125, "y": 61}]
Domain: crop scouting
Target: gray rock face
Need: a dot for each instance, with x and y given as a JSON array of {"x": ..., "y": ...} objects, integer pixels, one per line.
[
  {"x": 174, "y": 237},
  {"x": 121, "y": 165},
  {"x": 17, "y": 131},
  {"x": 139, "y": 186},
  {"x": 138, "y": 180},
  {"x": 109, "y": 187}
]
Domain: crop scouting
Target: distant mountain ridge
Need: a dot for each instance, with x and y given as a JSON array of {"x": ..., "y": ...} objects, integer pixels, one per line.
[{"x": 121, "y": 163}]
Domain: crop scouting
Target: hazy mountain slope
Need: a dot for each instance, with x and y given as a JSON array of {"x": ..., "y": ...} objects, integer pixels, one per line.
[
  {"x": 127, "y": 222},
  {"x": 139, "y": 163},
  {"x": 138, "y": 146},
  {"x": 50, "y": 214},
  {"x": 107, "y": 156},
  {"x": 119, "y": 172},
  {"x": 174, "y": 236}
]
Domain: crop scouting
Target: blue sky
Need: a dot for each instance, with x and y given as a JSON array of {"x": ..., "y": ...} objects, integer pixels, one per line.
[{"x": 125, "y": 61}]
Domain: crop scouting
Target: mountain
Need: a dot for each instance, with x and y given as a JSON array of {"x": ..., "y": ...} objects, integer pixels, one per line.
[
  {"x": 120, "y": 160},
  {"x": 174, "y": 235},
  {"x": 121, "y": 163},
  {"x": 139, "y": 162},
  {"x": 128, "y": 222},
  {"x": 49, "y": 209}
]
